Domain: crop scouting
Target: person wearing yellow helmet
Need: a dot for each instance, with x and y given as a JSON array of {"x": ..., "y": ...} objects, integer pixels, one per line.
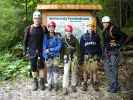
[
  {"x": 90, "y": 50},
  {"x": 91, "y": 24}
]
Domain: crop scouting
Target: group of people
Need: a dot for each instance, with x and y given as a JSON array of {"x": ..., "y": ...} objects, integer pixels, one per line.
[{"x": 47, "y": 49}]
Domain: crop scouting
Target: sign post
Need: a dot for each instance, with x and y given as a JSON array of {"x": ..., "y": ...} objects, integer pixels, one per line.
[{"x": 76, "y": 15}]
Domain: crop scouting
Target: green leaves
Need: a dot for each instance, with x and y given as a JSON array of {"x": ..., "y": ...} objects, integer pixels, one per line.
[
  {"x": 12, "y": 67},
  {"x": 70, "y": 1},
  {"x": 8, "y": 24}
]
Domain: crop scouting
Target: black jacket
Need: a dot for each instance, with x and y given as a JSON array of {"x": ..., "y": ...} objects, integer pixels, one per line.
[
  {"x": 112, "y": 33},
  {"x": 33, "y": 39}
]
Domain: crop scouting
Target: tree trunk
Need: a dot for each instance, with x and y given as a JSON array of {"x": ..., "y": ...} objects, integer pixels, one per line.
[
  {"x": 120, "y": 8},
  {"x": 26, "y": 11}
]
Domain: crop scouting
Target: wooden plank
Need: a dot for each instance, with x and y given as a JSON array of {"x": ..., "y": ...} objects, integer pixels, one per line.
[{"x": 69, "y": 7}]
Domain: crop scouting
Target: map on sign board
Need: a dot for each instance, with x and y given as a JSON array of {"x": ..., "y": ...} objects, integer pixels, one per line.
[{"x": 78, "y": 23}]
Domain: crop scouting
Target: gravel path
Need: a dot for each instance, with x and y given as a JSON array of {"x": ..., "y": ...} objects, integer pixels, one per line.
[{"x": 21, "y": 90}]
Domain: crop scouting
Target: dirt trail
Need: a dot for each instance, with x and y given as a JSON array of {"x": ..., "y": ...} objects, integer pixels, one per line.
[{"x": 21, "y": 90}]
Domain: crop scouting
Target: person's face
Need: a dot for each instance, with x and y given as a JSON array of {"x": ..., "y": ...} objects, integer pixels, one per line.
[
  {"x": 37, "y": 20},
  {"x": 68, "y": 34},
  {"x": 106, "y": 25},
  {"x": 51, "y": 29},
  {"x": 90, "y": 29}
]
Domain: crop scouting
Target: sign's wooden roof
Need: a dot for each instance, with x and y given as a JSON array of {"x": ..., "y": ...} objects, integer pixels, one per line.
[{"x": 69, "y": 7}]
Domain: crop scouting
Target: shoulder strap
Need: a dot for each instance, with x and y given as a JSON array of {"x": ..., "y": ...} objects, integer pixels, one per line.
[
  {"x": 31, "y": 27},
  {"x": 68, "y": 44},
  {"x": 110, "y": 32}
]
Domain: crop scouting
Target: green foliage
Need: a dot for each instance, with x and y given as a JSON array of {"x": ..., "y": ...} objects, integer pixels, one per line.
[
  {"x": 11, "y": 27},
  {"x": 70, "y": 1},
  {"x": 12, "y": 66},
  {"x": 8, "y": 23},
  {"x": 22, "y": 5},
  {"x": 13, "y": 20},
  {"x": 128, "y": 31}
]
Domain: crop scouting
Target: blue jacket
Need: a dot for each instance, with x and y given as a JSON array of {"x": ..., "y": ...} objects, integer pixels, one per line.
[
  {"x": 90, "y": 45},
  {"x": 51, "y": 46}
]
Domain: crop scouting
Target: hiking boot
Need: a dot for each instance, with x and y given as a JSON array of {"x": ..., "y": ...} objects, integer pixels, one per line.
[
  {"x": 35, "y": 84},
  {"x": 95, "y": 86},
  {"x": 89, "y": 82},
  {"x": 114, "y": 88},
  {"x": 74, "y": 89},
  {"x": 42, "y": 84},
  {"x": 65, "y": 91},
  {"x": 56, "y": 87},
  {"x": 84, "y": 86},
  {"x": 50, "y": 87}
]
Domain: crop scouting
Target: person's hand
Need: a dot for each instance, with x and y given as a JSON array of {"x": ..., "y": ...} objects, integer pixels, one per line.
[
  {"x": 47, "y": 50},
  {"x": 100, "y": 63},
  {"x": 113, "y": 45},
  {"x": 25, "y": 54},
  {"x": 37, "y": 51},
  {"x": 108, "y": 54}
]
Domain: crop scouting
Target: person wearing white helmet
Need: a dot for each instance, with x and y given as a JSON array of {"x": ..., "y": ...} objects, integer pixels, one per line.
[
  {"x": 37, "y": 18},
  {"x": 106, "y": 20},
  {"x": 37, "y": 14},
  {"x": 33, "y": 39},
  {"x": 113, "y": 41}
]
